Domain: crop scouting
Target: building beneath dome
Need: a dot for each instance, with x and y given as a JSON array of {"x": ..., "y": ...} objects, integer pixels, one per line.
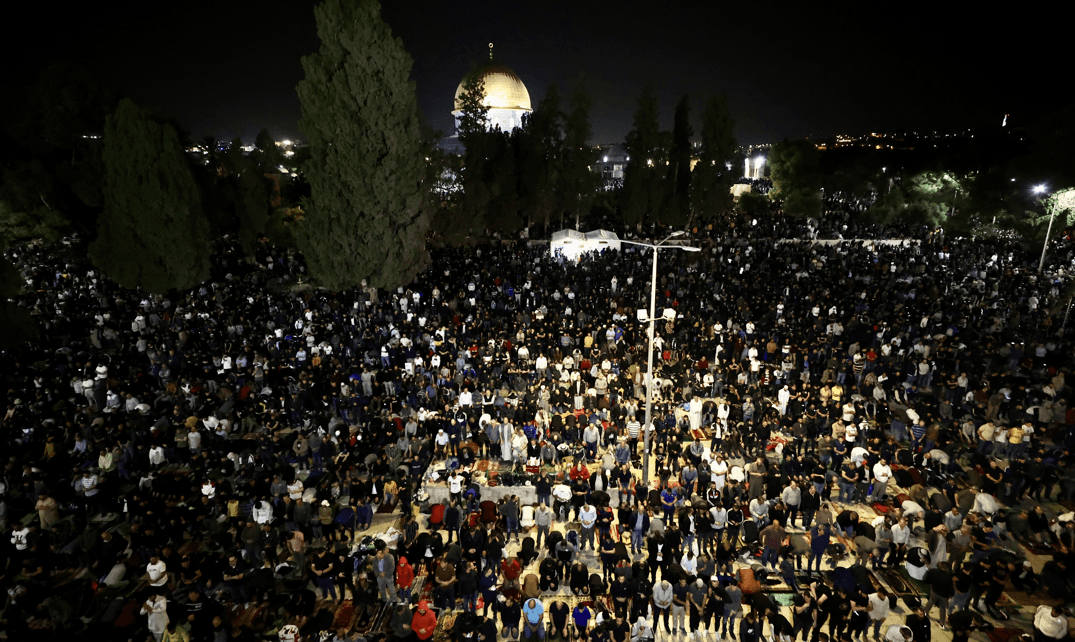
[{"x": 506, "y": 97}]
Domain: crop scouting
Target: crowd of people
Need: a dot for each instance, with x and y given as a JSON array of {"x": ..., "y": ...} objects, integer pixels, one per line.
[{"x": 205, "y": 466}]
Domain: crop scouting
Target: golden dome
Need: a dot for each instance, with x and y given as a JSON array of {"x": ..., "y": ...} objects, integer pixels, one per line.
[{"x": 503, "y": 89}]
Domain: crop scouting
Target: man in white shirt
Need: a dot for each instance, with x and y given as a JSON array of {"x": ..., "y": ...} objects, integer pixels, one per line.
[
  {"x": 20, "y": 537},
  {"x": 898, "y": 633},
  {"x": 1050, "y": 623},
  {"x": 882, "y": 472},
  {"x": 588, "y": 519},
  {"x": 156, "y": 571},
  {"x": 878, "y": 608},
  {"x": 901, "y": 536},
  {"x": 455, "y": 485},
  {"x": 294, "y": 489}
]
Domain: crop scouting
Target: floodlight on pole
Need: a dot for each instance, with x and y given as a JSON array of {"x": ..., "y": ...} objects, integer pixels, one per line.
[{"x": 651, "y": 318}]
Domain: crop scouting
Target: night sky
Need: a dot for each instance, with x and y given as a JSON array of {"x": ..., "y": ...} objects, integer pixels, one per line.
[{"x": 230, "y": 68}]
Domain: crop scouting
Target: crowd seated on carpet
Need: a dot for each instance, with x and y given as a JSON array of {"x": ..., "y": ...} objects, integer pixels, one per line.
[{"x": 212, "y": 465}]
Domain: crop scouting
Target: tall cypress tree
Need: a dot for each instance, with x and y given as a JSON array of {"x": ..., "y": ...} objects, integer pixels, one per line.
[
  {"x": 643, "y": 185},
  {"x": 152, "y": 232},
  {"x": 712, "y": 180},
  {"x": 578, "y": 184},
  {"x": 678, "y": 206},
  {"x": 541, "y": 140},
  {"x": 364, "y": 218}
]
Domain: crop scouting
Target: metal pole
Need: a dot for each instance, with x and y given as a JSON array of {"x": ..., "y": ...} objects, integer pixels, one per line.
[
  {"x": 649, "y": 371},
  {"x": 1045, "y": 245}
]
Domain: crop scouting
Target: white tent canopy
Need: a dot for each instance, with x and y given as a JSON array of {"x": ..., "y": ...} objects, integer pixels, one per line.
[
  {"x": 572, "y": 244},
  {"x": 603, "y": 239}
]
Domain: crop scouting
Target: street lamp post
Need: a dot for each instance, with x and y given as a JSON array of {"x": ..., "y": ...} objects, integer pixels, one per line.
[
  {"x": 1039, "y": 189},
  {"x": 649, "y": 342}
]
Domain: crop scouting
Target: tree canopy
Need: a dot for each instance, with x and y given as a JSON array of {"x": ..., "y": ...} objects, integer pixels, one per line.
[
  {"x": 647, "y": 155},
  {"x": 364, "y": 217},
  {"x": 797, "y": 179},
  {"x": 152, "y": 232},
  {"x": 712, "y": 181}
]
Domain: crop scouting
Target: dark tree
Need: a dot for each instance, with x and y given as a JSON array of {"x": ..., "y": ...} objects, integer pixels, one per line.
[
  {"x": 53, "y": 172},
  {"x": 474, "y": 120},
  {"x": 152, "y": 233},
  {"x": 540, "y": 158},
  {"x": 364, "y": 218},
  {"x": 266, "y": 153},
  {"x": 643, "y": 182},
  {"x": 711, "y": 181},
  {"x": 250, "y": 194},
  {"x": 578, "y": 183},
  {"x": 753, "y": 204},
  {"x": 472, "y": 212},
  {"x": 677, "y": 211},
  {"x": 796, "y": 177}
]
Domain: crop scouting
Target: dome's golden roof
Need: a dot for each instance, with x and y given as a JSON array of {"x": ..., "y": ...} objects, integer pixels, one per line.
[{"x": 503, "y": 89}]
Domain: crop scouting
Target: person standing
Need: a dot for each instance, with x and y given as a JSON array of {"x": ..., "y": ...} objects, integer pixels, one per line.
[
  {"x": 772, "y": 538},
  {"x": 404, "y": 579},
  {"x": 156, "y": 611},
  {"x": 877, "y": 609},
  {"x": 941, "y": 590},
  {"x": 733, "y": 607},
  {"x": 322, "y": 567},
  {"x": 882, "y": 472},
  {"x": 756, "y": 472},
  {"x": 543, "y": 519},
  {"x": 588, "y": 520},
  {"x": 384, "y": 570},
  {"x": 792, "y": 498},
  {"x": 662, "y": 603},
  {"x": 424, "y": 622},
  {"x": 680, "y": 596}
]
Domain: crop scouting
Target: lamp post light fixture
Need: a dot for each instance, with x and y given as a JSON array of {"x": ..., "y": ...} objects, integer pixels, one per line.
[{"x": 669, "y": 315}]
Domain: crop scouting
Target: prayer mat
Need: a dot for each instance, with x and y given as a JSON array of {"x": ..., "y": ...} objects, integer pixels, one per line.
[
  {"x": 919, "y": 585},
  {"x": 346, "y": 615},
  {"x": 1010, "y": 596},
  {"x": 899, "y": 583}
]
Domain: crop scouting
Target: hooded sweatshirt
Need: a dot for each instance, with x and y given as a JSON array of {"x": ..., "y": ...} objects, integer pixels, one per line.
[
  {"x": 404, "y": 574},
  {"x": 424, "y": 622}
]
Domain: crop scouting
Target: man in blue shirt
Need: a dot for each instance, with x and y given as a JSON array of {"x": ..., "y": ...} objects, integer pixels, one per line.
[{"x": 534, "y": 619}]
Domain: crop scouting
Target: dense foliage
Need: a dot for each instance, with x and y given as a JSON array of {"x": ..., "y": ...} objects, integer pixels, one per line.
[{"x": 364, "y": 217}]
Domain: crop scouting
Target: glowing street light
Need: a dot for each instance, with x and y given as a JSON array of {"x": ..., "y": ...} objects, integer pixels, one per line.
[{"x": 1038, "y": 189}]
